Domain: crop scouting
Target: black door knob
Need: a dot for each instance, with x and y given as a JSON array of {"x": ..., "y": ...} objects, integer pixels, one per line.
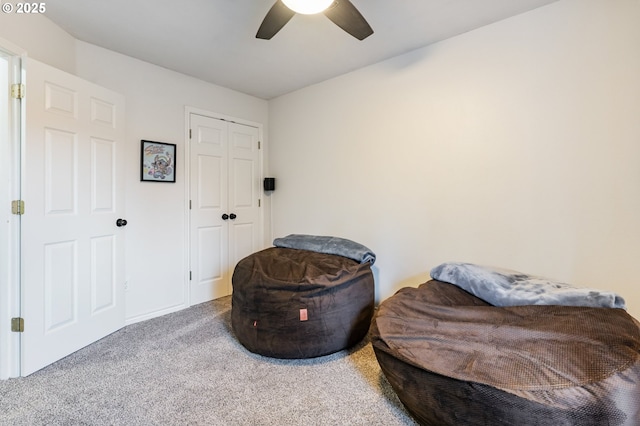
[
  {"x": 120, "y": 223},
  {"x": 225, "y": 216},
  {"x": 232, "y": 216}
]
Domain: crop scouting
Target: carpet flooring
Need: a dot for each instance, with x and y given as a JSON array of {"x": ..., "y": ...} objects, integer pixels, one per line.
[{"x": 187, "y": 368}]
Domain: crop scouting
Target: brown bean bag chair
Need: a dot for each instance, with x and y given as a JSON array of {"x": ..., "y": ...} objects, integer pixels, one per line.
[
  {"x": 292, "y": 303},
  {"x": 453, "y": 359}
]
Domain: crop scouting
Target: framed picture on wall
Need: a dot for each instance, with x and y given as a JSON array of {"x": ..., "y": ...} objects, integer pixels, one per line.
[{"x": 157, "y": 161}]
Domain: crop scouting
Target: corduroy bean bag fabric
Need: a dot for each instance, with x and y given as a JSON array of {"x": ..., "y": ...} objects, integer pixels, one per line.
[
  {"x": 453, "y": 359},
  {"x": 292, "y": 303}
]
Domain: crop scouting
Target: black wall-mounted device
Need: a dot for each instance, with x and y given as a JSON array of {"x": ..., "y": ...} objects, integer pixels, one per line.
[{"x": 269, "y": 184}]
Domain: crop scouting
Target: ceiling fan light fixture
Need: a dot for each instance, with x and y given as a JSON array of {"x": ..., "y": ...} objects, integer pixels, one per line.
[{"x": 307, "y": 7}]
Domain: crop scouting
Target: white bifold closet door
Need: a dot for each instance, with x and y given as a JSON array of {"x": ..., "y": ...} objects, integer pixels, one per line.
[{"x": 225, "y": 205}]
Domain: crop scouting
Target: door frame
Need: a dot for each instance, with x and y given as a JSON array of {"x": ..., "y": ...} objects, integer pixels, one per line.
[
  {"x": 10, "y": 252},
  {"x": 187, "y": 174}
]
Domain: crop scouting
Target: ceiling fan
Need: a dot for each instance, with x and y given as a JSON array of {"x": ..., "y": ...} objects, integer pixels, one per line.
[{"x": 341, "y": 12}]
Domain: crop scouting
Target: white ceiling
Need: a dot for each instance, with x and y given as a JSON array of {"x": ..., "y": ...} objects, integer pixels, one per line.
[{"x": 214, "y": 40}]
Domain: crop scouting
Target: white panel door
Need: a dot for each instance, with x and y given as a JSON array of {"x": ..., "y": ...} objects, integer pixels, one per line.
[
  {"x": 209, "y": 193},
  {"x": 73, "y": 188},
  {"x": 245, "y": 227},
  {"x": 225, "y": 220}
]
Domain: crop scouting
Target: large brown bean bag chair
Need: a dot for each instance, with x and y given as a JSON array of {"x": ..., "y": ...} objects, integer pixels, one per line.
[
  {"x": 292, "y": 303},
  {"x": 454, "y": 359}
]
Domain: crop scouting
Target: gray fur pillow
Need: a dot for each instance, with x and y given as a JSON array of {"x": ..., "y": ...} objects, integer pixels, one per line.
[
  {"x": 504, "y": 287},
  {"x": 329, "y": 245}
]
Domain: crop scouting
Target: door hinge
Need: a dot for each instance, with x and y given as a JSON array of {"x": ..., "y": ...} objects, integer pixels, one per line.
[
  {"x": 190, "y": 276},
  {"x": 259, "y": 202},
  {"x": 17, "y": 207},
  {"x": 189, "y": 133},
  {"x": 258, "y": 144},
  {"x": 17, "y": 325},
  {"x": 189, "y": 204},
  {"x": 17, "y": 91}
]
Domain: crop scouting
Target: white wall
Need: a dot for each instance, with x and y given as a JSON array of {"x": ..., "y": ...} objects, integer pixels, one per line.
[
  {"x": 156, "y": 101},
  {"x": 515, "y": 145},
  {"x": 41, "y": 38}
]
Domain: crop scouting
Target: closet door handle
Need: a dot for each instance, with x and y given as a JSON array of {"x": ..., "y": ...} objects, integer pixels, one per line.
[
  {"x": 225, "y": 216},
  {"x": 232, "y": 216}
]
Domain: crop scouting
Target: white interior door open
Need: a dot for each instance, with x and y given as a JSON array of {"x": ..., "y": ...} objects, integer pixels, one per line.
[
  {"x": 225, "y": 207},
  {"x": 73, "y": 188}
]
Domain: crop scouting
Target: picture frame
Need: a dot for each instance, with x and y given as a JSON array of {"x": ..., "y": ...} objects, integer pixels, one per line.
[{"x": 157, "y": 161}]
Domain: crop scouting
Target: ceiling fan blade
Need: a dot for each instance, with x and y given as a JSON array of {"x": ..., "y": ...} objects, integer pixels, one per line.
[
  {"x": 276, "y": 18},
  {"x": 346, "y": 16}
]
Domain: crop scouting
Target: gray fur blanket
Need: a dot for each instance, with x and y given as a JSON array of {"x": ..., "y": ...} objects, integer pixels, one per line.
[
  {"x": 328, "y": 245},
  {"x": 504, "y": 287}
]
